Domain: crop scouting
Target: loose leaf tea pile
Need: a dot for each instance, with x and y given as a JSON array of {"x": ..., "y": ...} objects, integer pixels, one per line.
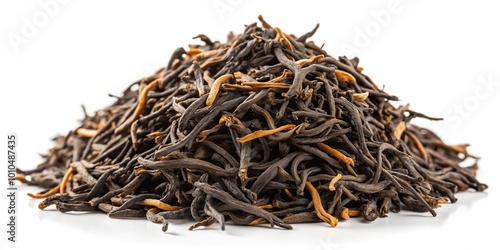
[{"x": 265, "y": 128}]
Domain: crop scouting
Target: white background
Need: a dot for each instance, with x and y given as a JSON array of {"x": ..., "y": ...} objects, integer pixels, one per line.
[{"x": 442, "y": 57}]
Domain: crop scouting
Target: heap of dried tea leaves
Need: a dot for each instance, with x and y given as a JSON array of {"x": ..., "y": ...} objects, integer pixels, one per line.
[{"x": 264, "y": 128}]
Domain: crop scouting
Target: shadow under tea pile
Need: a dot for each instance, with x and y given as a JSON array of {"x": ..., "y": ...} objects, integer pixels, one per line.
[{"x": 265, "y": 128}]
